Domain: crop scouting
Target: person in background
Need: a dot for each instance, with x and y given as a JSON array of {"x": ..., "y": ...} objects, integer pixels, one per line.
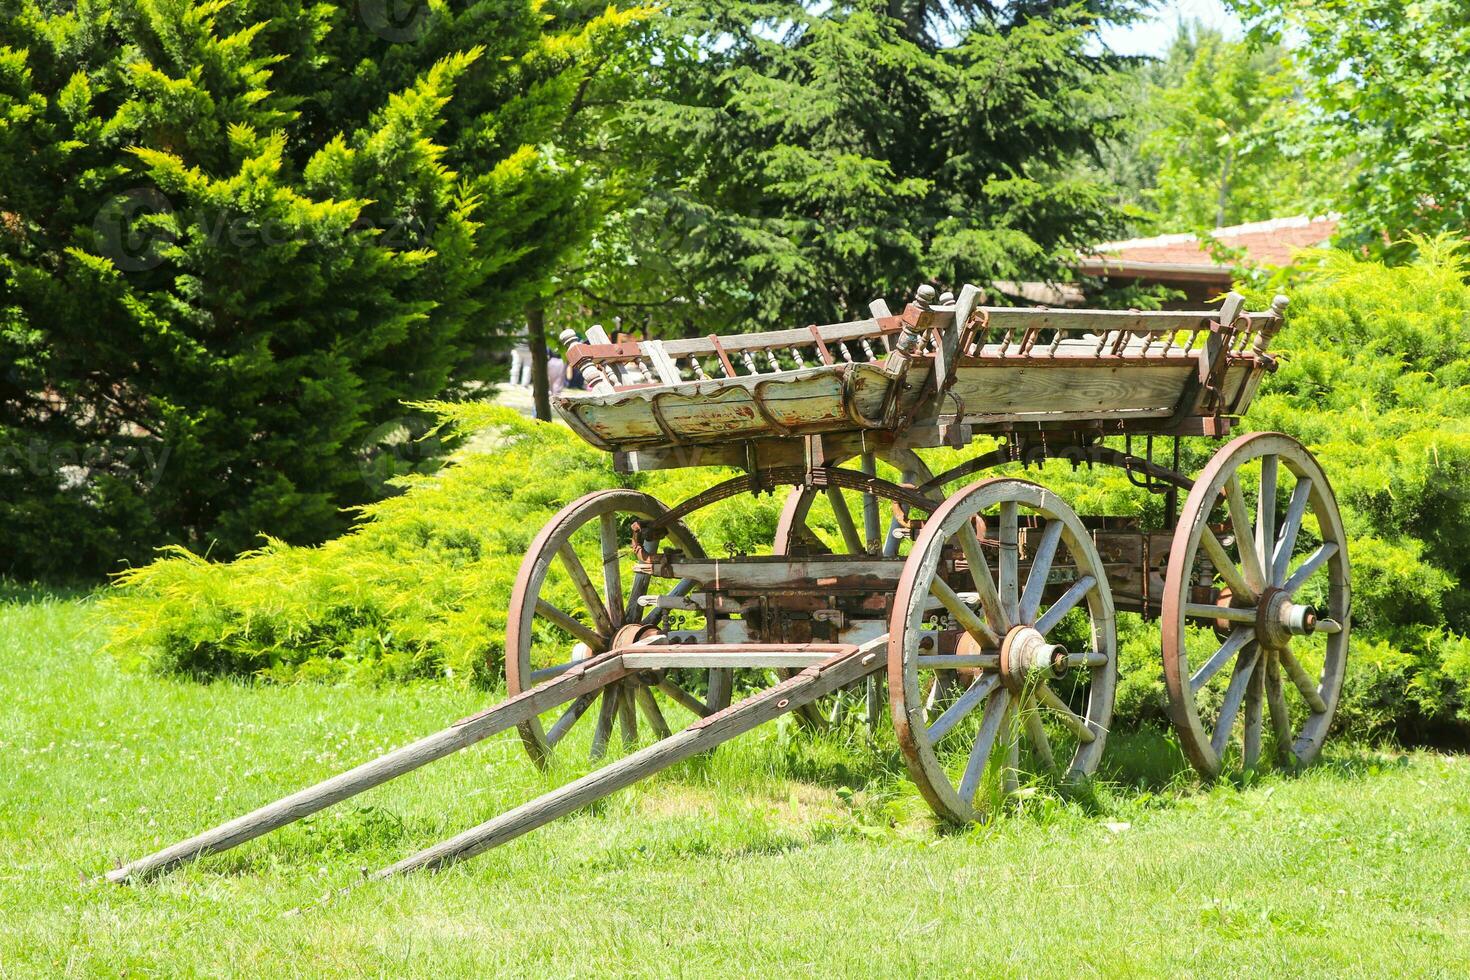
[
  {"x": 556, "y": 372},
  {"x": 520, "y": 365}
]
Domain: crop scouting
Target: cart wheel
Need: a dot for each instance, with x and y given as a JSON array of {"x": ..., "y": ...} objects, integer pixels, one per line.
[
  {"x": 874, "y": 535},
  {"x": 558, "y": 616},
  {"x": 1005, "y": 638},
  {"x": 794, "y": 535},
  {"x": 1267, "y": 600}
]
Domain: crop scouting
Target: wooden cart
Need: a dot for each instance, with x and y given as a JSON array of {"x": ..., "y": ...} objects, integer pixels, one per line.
[{"x": 989, "y": 609}]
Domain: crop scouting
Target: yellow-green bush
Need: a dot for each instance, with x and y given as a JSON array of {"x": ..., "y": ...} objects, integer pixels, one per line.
[{"x": 1375, "y": 378}]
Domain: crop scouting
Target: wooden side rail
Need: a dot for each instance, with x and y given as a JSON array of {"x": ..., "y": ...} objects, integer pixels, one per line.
[
  {"x": 666, "y": 362},
  {"x": 927, "y": 327},
  {"x": 996, "y": 333}
]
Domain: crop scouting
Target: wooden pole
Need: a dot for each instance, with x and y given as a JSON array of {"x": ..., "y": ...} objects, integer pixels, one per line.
[
  {"x": 589, "y": 676},
  {"x": 805, "y": 687},
  {"x": 540, "y": 381}
]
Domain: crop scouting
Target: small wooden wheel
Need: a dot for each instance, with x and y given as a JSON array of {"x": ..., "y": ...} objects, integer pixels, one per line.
[
  {"x": 961, "y": 606},
  {"x": 794, "y": 535},
  {"x": 1266, "y": 599},
  {"x": 874, "y": 536},
  {"x": 558, "y": 616}
]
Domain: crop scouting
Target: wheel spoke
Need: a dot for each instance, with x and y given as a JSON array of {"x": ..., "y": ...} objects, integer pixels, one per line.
[
  {"x": 869, "y": 465},
  {"x": 1309, "y": 567},
  {"x": 1232, "y": 645},
  {"x": 1231, "y": 614},
  {"x": 980, "y": 575},
  {"x": 1303, "y": 680},
  {"x": 1280, "y": 717},
  {"x": 572, "y": 625},
  {"x": 1036, "y": 731},
  {"x": 1254, "y": 695},
  {"x": 1301, "y": 495},
  {"x": 1225, "y": 565},
  {"x": 1075, "y": 723},
  {"x": 1250, "y": 559},
  {"x": 978, "y": 691},
  {"x": 1012, "y": 734},
  {"x": 1065, "y": 604},
  {"x": 995, "y": 712},
  {"x": 636, "y": 592},
  {"x": 1266, "y": 512},
  {"x": 1041, "y": 563},
  {"x": 627, "y": 714},
  {"x": 840, "y": 510},
  {"x": 1009, "y": 561},
  {"x": 648, "y": 704},
  {"x": 583, "y": 582},
  {"x": 612, "y": 576},
  {"x": 569, "y": 717},
  {"x": 1234, "y": 696},
  {"x": 963, "y": 614},
  {"x": 605, "y": 714},
  {"x": 684, "y": 698}
]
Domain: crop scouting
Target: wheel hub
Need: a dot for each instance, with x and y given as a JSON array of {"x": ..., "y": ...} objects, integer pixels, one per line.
[
  {"x": 626, "y": 636},
  {"x": 1026, "y": 656},
  {"x": 1278, "y": 619}
]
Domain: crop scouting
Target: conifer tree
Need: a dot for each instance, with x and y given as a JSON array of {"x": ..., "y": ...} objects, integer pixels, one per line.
[
  {"x": 809, "y": 158},
  {"x": 236, "y": 236}
]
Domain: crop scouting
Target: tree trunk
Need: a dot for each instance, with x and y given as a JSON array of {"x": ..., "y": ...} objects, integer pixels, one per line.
[
  {"x": 540, "y": 383},
  {"x": 1222, "y": 199}
]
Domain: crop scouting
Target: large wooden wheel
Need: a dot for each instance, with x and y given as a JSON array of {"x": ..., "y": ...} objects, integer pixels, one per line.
[
  {"x": 876, "y": 536},
  {"x": 1004, "y": 638},
  {"x": 559, "y": 615},
  {"x": 1256, "y": 612}
]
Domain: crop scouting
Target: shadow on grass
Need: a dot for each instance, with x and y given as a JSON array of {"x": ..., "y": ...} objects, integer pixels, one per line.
[{"x": 25, "y": 593}]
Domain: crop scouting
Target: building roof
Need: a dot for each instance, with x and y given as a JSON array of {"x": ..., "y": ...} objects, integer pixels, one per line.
[{"x": 1184, "y": 257}]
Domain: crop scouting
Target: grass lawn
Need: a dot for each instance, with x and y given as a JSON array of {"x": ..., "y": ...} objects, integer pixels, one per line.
[{"x": 778, "y": 854}]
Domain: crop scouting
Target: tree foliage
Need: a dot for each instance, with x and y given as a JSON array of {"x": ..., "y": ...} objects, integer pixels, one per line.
[
  {"x": 804, "y": 159},
  {"x": 1389, "y": 107},
  {"x": 1209, "y": 138},
  {"x": 234, "y": 236}
]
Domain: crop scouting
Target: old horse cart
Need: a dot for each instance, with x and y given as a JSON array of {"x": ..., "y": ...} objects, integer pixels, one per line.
[{"x": 987, "y": 610}]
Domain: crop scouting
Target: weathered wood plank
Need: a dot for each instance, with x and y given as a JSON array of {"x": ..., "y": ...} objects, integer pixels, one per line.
[
  {"x": 1089, "y": 389},
  {"x": 713, "y": 655}
]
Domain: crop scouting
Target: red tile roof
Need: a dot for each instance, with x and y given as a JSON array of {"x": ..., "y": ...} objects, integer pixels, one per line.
[{"x": 1264, "y": 243}]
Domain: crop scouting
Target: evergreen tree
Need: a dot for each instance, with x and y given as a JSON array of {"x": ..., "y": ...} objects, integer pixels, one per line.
[
  {"x": 808, "y": 158},
  {"x": 234, "y": 237}
]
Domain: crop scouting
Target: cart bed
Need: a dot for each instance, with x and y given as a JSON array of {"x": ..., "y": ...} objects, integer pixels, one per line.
[{"x": 935, "y": 367}]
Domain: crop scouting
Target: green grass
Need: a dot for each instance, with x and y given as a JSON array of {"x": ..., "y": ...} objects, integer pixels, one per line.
[{"x": 778, "y": 854}]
